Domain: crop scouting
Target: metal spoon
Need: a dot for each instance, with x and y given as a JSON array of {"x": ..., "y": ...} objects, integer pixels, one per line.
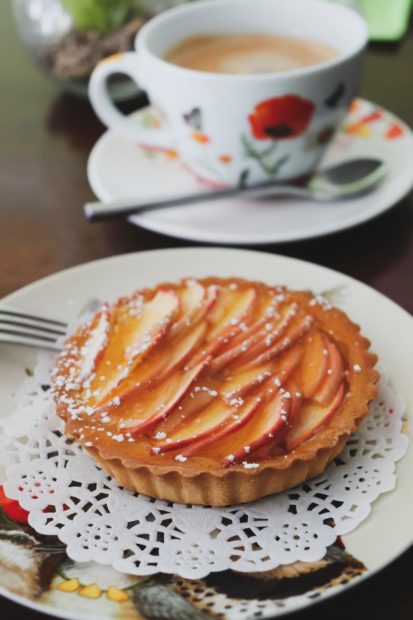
[{"x": 343, "y": 181}]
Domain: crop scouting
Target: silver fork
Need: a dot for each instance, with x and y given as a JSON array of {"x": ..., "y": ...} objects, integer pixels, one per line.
[{"x": 17, "y": 327}]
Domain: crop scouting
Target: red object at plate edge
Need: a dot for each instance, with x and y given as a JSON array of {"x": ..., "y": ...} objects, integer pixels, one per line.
[{"x": 12, "y": 508}]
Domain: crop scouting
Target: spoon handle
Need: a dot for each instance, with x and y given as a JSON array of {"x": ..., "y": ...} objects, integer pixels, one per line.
[{"x": 98, "y": 211}]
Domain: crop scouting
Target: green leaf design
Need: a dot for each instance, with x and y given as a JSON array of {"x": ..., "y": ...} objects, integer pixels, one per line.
[
  {"x": 155, "y": 601},
  {"x": 248, "y": 148},
  {"x": 270, "y": 169},
  {"x": 335, "y": 294},
  {"x": 267, "y": 152},
  {"x": 243, "y": 177},
  {"x": 279, "y": 164}
]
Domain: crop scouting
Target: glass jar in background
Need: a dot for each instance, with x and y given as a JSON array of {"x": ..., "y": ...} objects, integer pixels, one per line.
[{"x": 67, "y": 38}]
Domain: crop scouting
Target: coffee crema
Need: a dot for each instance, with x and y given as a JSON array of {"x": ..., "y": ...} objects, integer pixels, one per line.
[{"x": 245, "y": 54}]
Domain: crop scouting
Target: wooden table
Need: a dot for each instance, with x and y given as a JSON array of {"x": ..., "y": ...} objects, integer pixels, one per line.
[{"x": 45, "y": 139}]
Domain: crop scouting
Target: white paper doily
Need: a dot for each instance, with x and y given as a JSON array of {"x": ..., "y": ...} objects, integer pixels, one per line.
[{"x": 67, "y": 495}]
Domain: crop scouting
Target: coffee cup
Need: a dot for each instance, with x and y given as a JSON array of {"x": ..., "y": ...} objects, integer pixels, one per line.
[{"x": 234, "y": 128}]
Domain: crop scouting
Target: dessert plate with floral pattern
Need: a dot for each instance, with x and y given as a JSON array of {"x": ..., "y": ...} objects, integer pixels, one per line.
[
  {"x": 118, "y": 169},
  {"x": 36, "y": 571}
]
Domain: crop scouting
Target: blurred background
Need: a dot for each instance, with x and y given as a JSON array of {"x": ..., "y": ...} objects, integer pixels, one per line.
[
  {"x": 67, "y": 38},
  {"x": 48, "y": 130}
]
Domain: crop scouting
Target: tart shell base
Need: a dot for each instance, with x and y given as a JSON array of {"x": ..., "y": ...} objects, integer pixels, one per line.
[{"x": 207, "y": 489}]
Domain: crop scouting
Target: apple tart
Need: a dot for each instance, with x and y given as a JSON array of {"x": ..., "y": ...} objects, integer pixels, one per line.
[{"x": 214, "y": 391}]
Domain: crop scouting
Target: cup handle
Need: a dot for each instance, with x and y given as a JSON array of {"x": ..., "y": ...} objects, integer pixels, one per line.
[{"x": 102, "y": 104}]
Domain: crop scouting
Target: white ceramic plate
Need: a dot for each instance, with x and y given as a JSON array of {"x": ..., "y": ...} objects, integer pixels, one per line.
[
  {"x": 118, "y": 169},
  {"x": 387, "y": 532}
]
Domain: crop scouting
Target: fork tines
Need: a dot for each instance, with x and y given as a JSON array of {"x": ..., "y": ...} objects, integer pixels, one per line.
[{"x": 21, "y": 328}]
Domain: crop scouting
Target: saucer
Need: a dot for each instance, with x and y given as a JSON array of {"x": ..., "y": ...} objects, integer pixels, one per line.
[{"x": 118, "y": 169}]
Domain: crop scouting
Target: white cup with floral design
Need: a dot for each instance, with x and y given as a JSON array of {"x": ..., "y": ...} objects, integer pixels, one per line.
[{"x": 231, "y": 128}]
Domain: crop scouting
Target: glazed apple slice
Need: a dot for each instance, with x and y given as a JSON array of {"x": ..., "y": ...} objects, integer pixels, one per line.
[
  {"x": 95, "y": 345},
  {"x": 208, "y": 302},
  {"x": 271, "y": 421},
  {"x": 271, "y": 333},
  {"x": 244, "y": 381},
  {"x": 191, "y": 298},
  {"x": 287, "y": 364},
  {"x": 243, "y": 338},
  {"x": 163, "y": 400},
  {"x": 296, "y": 402},
  {"x": 334, "y": 376},
  {"x": 248, "y": 378},
  {"x": 196, "y": 314},
  {"x": 139, "y": 336},
  {"x": 296, "y": 331},
  {"x": 155, "y": 371},
  {"x": 314, "y": 364},
  {"x": 193, "y": 404},
  {"x": 233, "y": 354},
  {"x": 180, "y": 351},
  {"x": 291, "y": 393},
  {"x": 217, "y": 420},
  {"x": 235, "y": 423},
  {"x": 267, "y": 314},
  {"x": 232, "y": 308},
  {"x": 198, "y": 406},
  {"x": 226, "y": 319},
  {"x": 311, "y": 417},
  {"x": 155, "y": 317},
  {"x": 211, "y": 296},
  {"x": 248, "y": 345},
  {"x": 206, "y": 426},
  {"x": 176, "y": 354}
]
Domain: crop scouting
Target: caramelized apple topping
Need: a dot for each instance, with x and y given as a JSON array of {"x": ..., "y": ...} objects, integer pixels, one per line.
[{"x": 228, "y": 370}]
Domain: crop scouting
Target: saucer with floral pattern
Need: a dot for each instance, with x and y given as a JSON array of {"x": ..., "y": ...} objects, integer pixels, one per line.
[{"x": 118, "y": 169}]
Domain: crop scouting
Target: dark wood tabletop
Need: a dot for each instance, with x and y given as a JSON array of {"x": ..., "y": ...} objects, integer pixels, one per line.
[{"x": 45, "y": 140}]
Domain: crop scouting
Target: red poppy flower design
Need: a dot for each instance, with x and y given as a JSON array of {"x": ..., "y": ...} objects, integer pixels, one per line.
[
  {"x": 281, "y": 118},
  {"x": 394, "y": 131},
  {"x": 12, "y": 508}
]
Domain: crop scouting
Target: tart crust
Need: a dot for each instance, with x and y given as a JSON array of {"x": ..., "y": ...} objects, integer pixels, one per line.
[{"x": 202, "y": 481}]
